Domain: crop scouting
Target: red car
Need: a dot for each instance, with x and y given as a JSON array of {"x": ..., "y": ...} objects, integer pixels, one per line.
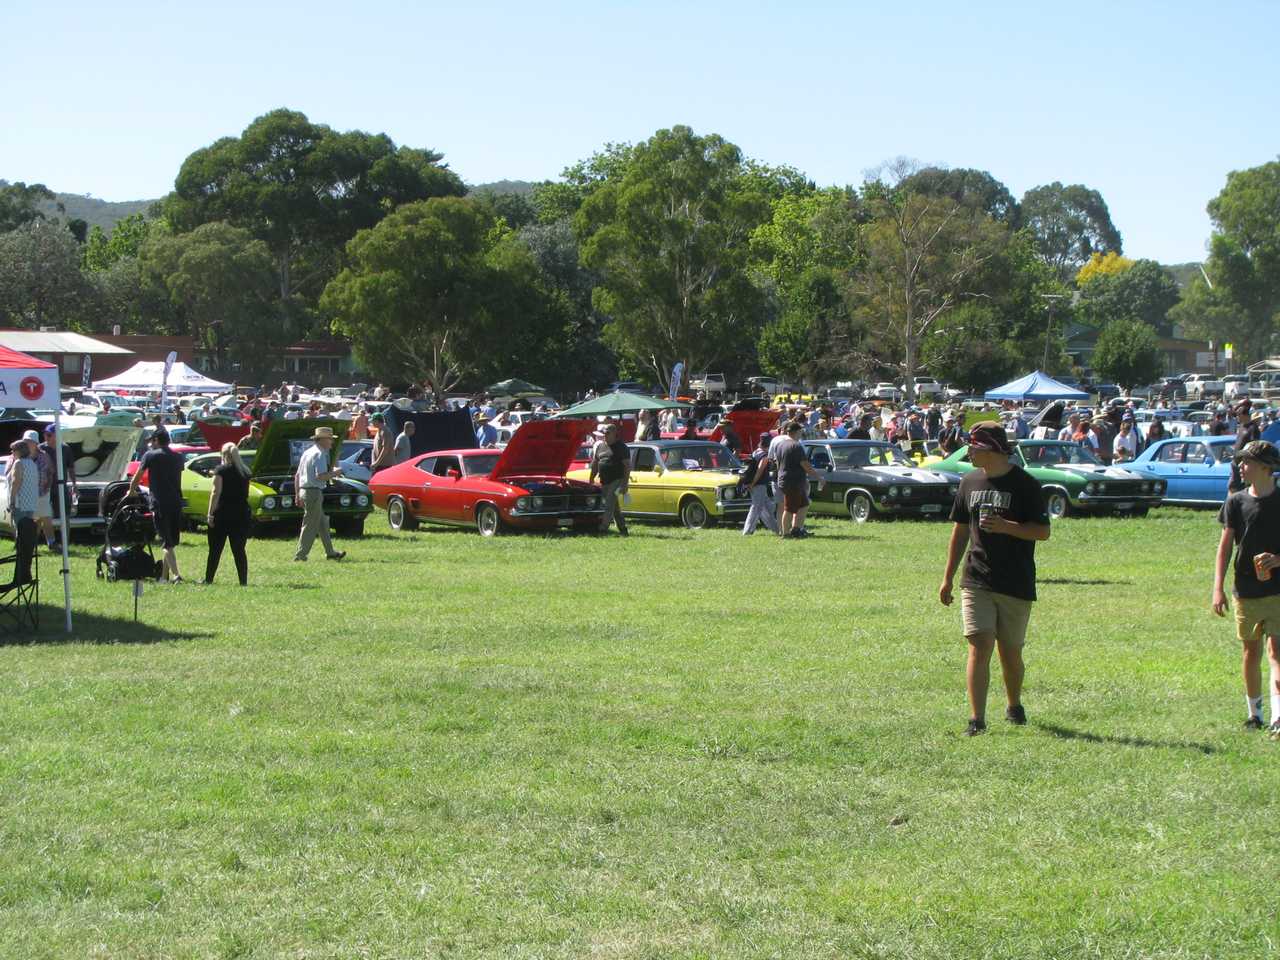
[{"x": 520, "y": 487}]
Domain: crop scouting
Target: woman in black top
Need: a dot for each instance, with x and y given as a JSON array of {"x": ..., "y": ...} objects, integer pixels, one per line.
[{"x": 229, "y": 514}]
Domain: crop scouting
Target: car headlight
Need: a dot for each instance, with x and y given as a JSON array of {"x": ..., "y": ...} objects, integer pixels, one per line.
[
  {"x": 1102, "y": 488},
  {"x": 1160, "y": 485},
  {"x": 536, "y": 503},
  {"x": 893, "y": 492},
  {"x": 955, "y": 488},
  {"x": 906, "y": 491},
  {"x": 1146, "y": 488},
  {"x": 362, "y": 501},
  {"x": 269, "y": 503},
  {"x": 1090, "y": 488},
  {"x": 286, "y": 502},
  {"x": 725, "y": 493},
  {"x": 345, "y": 500},
  {"x": 522, "y": 503}
]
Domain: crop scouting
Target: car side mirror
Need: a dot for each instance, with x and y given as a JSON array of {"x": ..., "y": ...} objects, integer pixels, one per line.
[
  {"x": 659, "y": 468},
  {"x": 454, "y": 474},
  {"x": 1209, "y": 461}
]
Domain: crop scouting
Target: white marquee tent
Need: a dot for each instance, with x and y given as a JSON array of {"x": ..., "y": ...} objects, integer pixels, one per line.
[{"x": 148, "y": 375}]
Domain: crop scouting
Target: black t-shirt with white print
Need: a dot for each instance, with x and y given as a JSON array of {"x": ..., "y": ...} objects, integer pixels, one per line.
[
  {"x": 1254, "y": 523},
  {"x": 996, "y": 561}
]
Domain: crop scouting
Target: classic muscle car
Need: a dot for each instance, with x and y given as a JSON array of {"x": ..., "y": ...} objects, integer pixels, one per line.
[
  {"x": 693, "y": 481},
  {"x": 271, "y": 484},
  {"x": 1076, "y": 481},
  {"x": 870, "y": 478},
  {"x": 522, "y": 486},
  {"x": 1196, "y": 469}
]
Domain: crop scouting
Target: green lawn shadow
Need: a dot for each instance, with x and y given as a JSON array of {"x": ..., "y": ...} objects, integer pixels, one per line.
[
  {"x": 98, "y": 629},
  {"x": 1066, "y": 733}
]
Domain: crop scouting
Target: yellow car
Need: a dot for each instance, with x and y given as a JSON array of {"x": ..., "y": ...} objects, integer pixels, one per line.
[{"x": 693, "y": 481}]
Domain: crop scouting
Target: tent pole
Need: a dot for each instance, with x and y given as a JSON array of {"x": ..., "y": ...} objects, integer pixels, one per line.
[{"x": 61, "y": 487}]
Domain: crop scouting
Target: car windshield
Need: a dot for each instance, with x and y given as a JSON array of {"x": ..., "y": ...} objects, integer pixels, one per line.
[
  {"x": 479, "y": 465},
  {"x": 873, "y": 455},
  {"x": 700, "y": 457},
  {"x": 1040, "y": 454},
  {"x": 352, "y": 447}
]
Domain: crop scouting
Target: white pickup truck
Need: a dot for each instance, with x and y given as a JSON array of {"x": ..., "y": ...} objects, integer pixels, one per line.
[{"x": 1201, "y": 386}]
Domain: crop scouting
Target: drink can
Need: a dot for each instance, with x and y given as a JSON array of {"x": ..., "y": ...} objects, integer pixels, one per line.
[{"x": 1261, "y": 572}]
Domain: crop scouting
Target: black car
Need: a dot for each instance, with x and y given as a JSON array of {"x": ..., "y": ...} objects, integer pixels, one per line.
[{"x": 870, "y": 478}]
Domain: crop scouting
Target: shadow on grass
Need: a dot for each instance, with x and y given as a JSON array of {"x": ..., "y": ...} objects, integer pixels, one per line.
[
  {"x": 94, "y": 628},
  {"x": 1085, "y": 583},
  {"x": 1066, "y": 733}
]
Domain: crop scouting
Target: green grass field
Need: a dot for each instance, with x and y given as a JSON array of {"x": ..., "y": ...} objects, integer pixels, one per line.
[{"x": 678, "y": 745}]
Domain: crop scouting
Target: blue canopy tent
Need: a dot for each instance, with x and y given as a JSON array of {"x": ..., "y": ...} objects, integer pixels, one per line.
[{"x": 1036, "y": 385}]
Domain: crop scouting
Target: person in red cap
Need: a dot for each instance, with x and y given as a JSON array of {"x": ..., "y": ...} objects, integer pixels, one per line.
[{"x": 999, "y": 514}]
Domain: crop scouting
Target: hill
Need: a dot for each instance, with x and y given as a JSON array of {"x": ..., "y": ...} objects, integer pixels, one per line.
[
  {"x": 521, "y": 187},
  {"x": 95, "y": 212},
  {"x": 1183, "y": 273}
]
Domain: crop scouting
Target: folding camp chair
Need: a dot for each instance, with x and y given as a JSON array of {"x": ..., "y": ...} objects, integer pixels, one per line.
[{"x": 20, "y": 597}]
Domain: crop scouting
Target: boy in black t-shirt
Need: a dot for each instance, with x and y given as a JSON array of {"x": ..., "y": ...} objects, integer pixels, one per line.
[
  {"x": 999, "y": 513},
  {"x": 1250, "y": 520}
]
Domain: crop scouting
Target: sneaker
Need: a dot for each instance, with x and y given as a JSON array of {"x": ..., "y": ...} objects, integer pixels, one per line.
[
  {"x": 1254, "y": 723},
  {"x": 1273, "y": 731},
  {"x": 1016, "y": 715},
  {"x": 337, "y": 555},
  {"x": 975, "y": 727}
]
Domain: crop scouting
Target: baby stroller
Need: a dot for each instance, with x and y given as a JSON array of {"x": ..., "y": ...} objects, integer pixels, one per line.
[{"x": 127, "y": 553}]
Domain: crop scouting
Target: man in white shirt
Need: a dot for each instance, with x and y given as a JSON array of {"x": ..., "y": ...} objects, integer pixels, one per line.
[
  {"x": 309, "y": 483},
  {"x": 404, "y": 442}
]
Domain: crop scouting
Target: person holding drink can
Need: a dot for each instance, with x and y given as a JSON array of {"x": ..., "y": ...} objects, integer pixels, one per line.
[
  {"x": 1250, "y": 521},
  {"x": 999, "y": 513}
]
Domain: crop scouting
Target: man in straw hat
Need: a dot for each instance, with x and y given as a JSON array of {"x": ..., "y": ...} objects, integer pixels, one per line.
[
  {"x": 1250, "y": 520},
  {"x": 309, "y": 483},
  {"x": 999, "y": 513}
]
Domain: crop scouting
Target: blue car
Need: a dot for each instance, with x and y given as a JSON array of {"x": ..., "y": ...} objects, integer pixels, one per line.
[{"x": 1195, "y": 469}]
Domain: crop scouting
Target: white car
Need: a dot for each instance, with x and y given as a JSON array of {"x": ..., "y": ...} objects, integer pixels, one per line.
[
  {"x": 1203, "y": 385},
  {"x": 709, "y": 382},
  {"x": 1235, "y": 386},
  {"x": 884, "y": 391},
  {"x": 926, "y": 387},
  {"x": 354, "y": 458}
]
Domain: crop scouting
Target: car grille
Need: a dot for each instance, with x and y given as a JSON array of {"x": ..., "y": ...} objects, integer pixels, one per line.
[
  {"x": 1124, "y": 488},
  {"x": 925, "y": 492}
]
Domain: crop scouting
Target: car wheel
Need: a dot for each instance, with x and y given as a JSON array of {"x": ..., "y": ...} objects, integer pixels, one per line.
[
  {"x": 694, "y": 515},
  {"x": 398, "y": 515},
  {"x": 488, "y": 521},
  {"x": 1140, "y": 511},
  {"x": 1057, "y": 505},
  {"x": 859, "y": 507},
  {"x": 349, "y": 526}
]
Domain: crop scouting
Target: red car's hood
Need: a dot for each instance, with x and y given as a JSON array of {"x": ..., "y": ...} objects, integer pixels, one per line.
[{"x": 542, "y": 448}]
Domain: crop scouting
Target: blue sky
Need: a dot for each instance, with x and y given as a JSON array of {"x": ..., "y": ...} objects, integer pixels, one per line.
[{"x": 1150, "y": 103}]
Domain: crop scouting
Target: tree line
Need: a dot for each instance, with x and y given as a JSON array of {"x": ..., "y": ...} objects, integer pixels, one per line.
[{"x": 678, "y": 247}]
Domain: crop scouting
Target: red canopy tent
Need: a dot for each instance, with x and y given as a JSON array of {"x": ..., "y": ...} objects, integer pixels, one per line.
[{"x": 27, "y": 383}]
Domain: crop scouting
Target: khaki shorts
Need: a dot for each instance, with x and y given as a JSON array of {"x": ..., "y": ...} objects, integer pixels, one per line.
[
  {"x": 1257, "y": 616},
  {"x": 995, "y": 614},
  {"x": 44, "y": 506}
]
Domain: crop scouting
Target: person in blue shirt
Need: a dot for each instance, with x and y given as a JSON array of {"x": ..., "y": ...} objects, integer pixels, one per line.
[{"x": 486, "y": 435}]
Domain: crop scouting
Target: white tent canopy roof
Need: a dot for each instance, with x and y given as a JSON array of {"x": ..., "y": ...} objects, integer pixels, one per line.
[{"x": 147, "y": 374}]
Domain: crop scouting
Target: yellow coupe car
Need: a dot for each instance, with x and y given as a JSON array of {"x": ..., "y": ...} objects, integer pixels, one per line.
[{"x": 693, "y": 481}]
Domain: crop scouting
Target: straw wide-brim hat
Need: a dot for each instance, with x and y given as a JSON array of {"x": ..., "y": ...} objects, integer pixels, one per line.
[{"x": 323, "y": 433}]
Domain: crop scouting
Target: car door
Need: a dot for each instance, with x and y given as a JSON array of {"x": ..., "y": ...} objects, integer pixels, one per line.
[
  {"x": 417, "y": 492},
  {"x": 833, "y": 492},
  {"x": 197, "y": 484},
  {"x": 1198, "y": 467},
  {"x": 645, "y": 485},
  {"x": 446, "y": 496},
  {"x": 1166, "y": 463}
]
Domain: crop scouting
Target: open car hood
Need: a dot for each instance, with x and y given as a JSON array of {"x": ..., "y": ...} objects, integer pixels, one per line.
[
  {"x": 542, "y": 448},
  {"x": 285, "y": 441},
  {"x": 101, "y": 454}
]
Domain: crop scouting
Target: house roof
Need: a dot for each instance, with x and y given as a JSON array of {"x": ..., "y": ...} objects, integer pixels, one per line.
[{"x": 51, "y": 341}]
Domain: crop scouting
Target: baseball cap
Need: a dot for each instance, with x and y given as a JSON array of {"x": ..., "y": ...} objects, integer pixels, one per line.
[
  {"x": 989, "y": 435},
  {"x": 31, "y": 436},
  {"x": 1264, "y": 451}
]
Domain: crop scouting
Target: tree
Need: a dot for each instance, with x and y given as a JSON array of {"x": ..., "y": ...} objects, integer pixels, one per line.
[
  {"x": 973, "y": 348},
  {"x": 433, "y": 290},
  {"x": 221, "y": 283},
  {"x": 1070, "y": 224},
  {"x": 976, "y": 188},
  {"x": 1144, "y": 292},
  {"x": 924, "y": 257},
  {"x": 20, "y": 204},
  {"x": 40, "y": 279},
  {"x": 668, "y": 238},
  {"x": 1102, "y": 265},
  {"x": 304, "y": 190},
  {"x": 127, "y": 237},
  {"x": 1244, "y": 252},
  {"x": 1127, "y": 353}
]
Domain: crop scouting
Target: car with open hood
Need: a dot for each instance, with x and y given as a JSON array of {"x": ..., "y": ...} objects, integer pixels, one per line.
[
  {"x": 272, "y": 498},
  {"x": 1074, "y": 480},
  {"x": 521, "y": 487},
  {"x": 866, "y": 479},
  {"x": 100, "y": 456},
  {"x": 695, "y": 482}
]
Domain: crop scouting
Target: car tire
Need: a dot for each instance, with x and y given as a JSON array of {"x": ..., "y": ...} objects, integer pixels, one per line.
[
  {"x": 398, "y": 515},
  {"x": 695, "y": 515},
  {"x": 349, "y": 527},
  {"x": 860, "y": 507},
  {"x": 1056, "y": 505},
  {"x": 488, "y": 520}
]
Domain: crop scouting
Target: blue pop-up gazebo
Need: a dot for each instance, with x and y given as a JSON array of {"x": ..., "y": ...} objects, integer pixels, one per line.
[{"x": 1036, "y": 385}]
